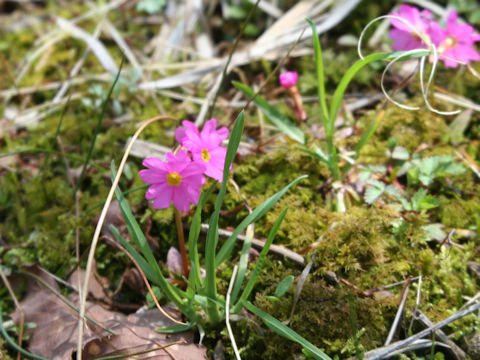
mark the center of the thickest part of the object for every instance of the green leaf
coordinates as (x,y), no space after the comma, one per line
(459,125)
(256,214)
(151,6)
(434,232)
(374,191)
(427,203)
(400,153)
(236,12)
(212,234)
(286,332)
(326,120)
(253,278)
(173,329)
(272,298)
(174,294)
(280,121)
(284,285)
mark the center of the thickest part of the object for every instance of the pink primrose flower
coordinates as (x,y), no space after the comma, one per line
(205,146)
(288,79)
(456,42)
(177,180)
(403,36)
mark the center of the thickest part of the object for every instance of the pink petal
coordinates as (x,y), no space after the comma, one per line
(404,41)
(288,79)
(156,191)
(153,162)
(180,134)
(164,199)
(180,200)
(193,169)
(152,176)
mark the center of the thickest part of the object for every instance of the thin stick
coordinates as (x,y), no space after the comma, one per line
(382,353)
(227,313)
(278,249)
(145,280)
(96,235)
(399,313)
(457,352)
(181,241)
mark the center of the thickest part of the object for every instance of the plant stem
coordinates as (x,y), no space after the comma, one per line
(181,242)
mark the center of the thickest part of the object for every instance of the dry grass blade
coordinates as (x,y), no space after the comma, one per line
(457,352)
(399,313)
(94,44)
(385,351)
(301,282)
(227,313)
(98,229)
(272,46)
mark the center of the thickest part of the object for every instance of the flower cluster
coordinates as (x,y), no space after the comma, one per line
(180,177)
(455,43)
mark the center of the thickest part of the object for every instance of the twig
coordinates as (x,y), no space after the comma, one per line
(301,282)
(98,229)
(145,280)
(399,313)
(382,352)
(227,313)
(457,352)
(278,249)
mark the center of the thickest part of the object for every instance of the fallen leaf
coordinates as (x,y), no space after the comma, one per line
(55,334)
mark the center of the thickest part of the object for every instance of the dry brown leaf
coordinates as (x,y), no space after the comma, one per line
(55,334)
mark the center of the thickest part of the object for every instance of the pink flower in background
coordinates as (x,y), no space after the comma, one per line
(403,36)
(456,42)
(288,79)
(205,146)
(178,180)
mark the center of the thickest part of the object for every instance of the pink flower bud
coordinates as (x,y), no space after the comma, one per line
(288,79)
(174,261)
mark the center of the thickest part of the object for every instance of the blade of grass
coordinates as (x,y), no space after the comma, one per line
(242,264)
(253,278)
(281,121)
(256,214)
(286,332)
(97,129)
(212,235)
(360,64)
(137,235)
(320,79)
(193,235)
(131,250)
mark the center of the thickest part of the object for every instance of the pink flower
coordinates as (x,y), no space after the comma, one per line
(288,79)
(403,36)
(178,180)
(205,146)
(457,42)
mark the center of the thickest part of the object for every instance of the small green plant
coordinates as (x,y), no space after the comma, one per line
(330,109)
(200,302)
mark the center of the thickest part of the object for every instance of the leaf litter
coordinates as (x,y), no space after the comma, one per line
(54,335)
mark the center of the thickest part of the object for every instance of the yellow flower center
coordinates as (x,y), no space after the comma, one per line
(174,179)
(206,155)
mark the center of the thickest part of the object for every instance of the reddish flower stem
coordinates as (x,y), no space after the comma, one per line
(181,242)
